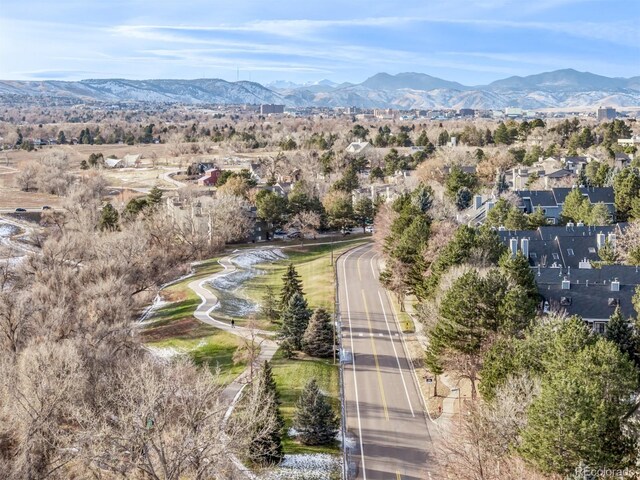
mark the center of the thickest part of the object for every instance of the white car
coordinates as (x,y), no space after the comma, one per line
(369,228)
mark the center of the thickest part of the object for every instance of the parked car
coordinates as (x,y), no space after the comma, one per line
(369,228)
(46,207)
(20,209)
(294,234)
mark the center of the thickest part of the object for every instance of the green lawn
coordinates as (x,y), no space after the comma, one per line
(291,376)
(173,326)
(313,263)
(205,344)
(181,290)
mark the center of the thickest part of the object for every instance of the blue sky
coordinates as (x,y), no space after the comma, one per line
(470,41)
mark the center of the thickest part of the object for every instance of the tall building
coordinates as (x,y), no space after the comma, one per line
(606,113)
(269,109)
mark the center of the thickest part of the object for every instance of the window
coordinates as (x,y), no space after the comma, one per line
(570,252)
(613,302)
(555,256)
(565,301)
(533,255)
(592,250)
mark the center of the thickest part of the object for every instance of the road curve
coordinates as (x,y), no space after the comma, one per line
(384,409)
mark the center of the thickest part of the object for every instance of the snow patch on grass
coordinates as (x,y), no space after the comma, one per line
(317,466)
(226,287)
(167,352)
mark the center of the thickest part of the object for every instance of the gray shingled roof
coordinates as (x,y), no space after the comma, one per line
(590,294)
(595,194)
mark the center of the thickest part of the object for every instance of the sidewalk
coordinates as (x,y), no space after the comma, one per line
(209,301)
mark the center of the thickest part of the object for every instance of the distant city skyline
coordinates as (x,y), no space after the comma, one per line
(471,42)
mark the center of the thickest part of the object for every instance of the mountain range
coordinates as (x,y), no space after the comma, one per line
(560,88)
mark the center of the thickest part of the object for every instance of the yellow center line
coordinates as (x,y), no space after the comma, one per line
(375,357)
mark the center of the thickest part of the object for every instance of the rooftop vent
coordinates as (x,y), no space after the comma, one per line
(615,285)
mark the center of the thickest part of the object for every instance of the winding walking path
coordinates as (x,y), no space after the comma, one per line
(209,301)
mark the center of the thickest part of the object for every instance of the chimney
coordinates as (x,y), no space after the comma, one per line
(513,246)
(600,240)
(615,285)
(490,205)
(612,239)
(566,284)
(477,201)
(524,246)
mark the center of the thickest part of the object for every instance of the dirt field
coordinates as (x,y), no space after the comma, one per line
(155,162)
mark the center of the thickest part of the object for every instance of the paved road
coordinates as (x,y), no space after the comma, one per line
(384,411)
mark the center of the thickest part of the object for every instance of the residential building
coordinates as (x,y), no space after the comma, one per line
(591,294)
(210,177)
(606,113)
(271,109)
(562,259)
(357,148)
(622,160)
(574,246)
(630,142)
(551,201)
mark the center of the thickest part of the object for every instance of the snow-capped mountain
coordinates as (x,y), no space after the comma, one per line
(561,88)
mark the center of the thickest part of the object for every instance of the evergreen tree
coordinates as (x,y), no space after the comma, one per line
(517,309)
(363,212)
(155,196)
(626,187)
(516,219)
(607,253)
(516,268)
(578,415)
(463,198)
(621,332)
(266,440)
(314,419)
(536,219)
(318,337)
(109,218)
(501,135)
(291,284)
(576,207)
(598,215)
(269,306)
(422,197)
(133,208)
(62,139)
(295,319)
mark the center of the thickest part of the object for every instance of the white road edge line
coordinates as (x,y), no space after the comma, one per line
(353,360)
(404,347)
(395,352)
